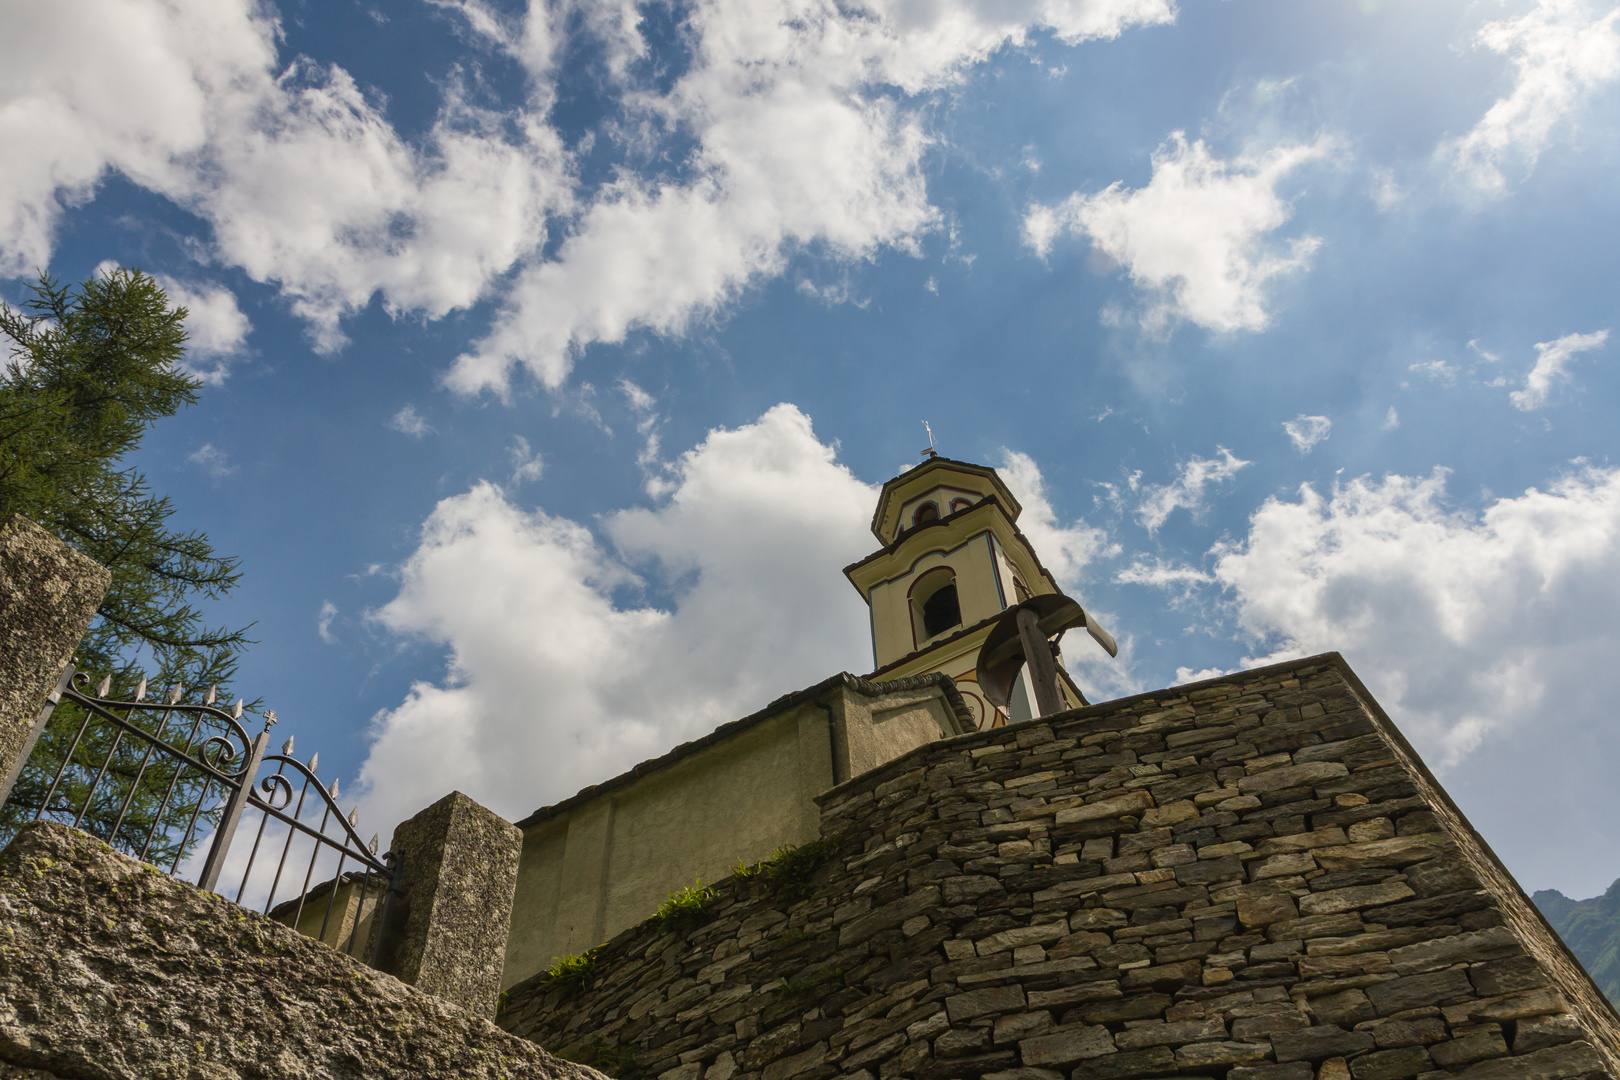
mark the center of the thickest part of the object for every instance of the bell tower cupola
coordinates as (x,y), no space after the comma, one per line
(952,561)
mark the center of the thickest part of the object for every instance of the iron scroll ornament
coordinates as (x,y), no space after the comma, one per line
(278,795)
(215,755)
(1002,654)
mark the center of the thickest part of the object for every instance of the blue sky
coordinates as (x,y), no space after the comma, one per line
(554,353)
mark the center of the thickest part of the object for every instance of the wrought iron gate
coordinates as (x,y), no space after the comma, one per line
(155,779)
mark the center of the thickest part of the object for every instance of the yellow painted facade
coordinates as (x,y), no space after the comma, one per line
(606,859)
(948,524)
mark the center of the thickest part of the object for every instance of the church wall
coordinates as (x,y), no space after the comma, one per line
(1249,878)
(595,868)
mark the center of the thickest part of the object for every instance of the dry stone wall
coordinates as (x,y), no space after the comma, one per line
(112,970)
(1252,878)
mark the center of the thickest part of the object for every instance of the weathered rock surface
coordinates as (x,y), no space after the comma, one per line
(111,969)
(48,595)
(1252,878)
(458,870)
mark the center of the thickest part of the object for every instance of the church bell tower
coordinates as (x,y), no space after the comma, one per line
(952,562)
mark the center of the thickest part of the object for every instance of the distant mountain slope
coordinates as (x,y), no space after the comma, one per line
(1591,929)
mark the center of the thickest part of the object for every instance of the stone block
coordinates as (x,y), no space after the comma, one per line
(1507,1007)
(1163,977)
(457,873)
(798,1064)
(1135,1007)
(1293,1070)
(1492,944)
(1065,1046)
(1539,1032)
(48,595)
(1171,814)
(1212,1055)
(1417,1031)
(1010,1029)
(1134,804)
(1413,991)
(1127,1065)
(1290,776)
(888,916)
(1268,909)
(1395,852)
(1470,1048)
(975,1003)
(1508,976)
(1555,1063)
(1334,901)
(962,1042)
(1184,1031)
(1319,1043)
(1400,1064)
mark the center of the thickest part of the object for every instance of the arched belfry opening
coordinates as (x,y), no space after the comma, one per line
(942,611)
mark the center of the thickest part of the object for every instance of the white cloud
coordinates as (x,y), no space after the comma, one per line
(323,622)
(1193,239)
(801,124)
(799,141)
(409,422)
(1307,431)
(1065,550)
(643,405)
(1552,365)
(1489,637)
(216,328)
(302,180)
(1438,370)
(213,461)
(1562,52)
(1392,419)
(526,464)
(1186,492)
(573,655)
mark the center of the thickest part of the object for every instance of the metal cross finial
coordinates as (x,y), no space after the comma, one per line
(270,719)
(930,452)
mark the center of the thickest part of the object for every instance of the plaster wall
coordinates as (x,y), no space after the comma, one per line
(593,869)
(338,916)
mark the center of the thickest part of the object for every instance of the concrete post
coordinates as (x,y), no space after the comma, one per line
(457,876)
(48,595)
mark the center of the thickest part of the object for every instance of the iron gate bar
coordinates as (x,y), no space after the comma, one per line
(26,750)
(286,748)
(268,784)
(168,793)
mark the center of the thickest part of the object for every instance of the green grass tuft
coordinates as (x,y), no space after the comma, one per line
(788,871)
(685,903)
(574,970)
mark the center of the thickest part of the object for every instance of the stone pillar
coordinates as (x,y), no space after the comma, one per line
(48,595)
(457,875)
